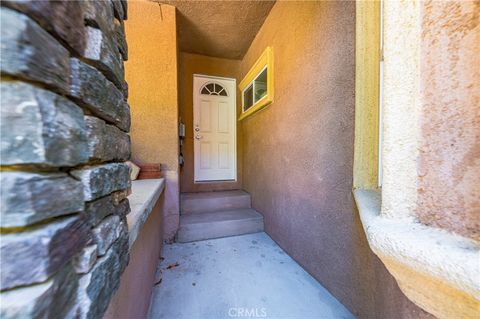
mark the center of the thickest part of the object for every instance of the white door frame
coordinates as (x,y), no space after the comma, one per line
(232,95)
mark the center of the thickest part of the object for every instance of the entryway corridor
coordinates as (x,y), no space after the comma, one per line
(193,159)
(246,276)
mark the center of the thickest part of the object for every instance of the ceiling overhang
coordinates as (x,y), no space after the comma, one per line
(223,29)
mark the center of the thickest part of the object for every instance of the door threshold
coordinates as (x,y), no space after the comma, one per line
(217,181)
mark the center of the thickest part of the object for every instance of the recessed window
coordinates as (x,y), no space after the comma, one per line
(248,98)
(260,86)
(257,86)
(256,91)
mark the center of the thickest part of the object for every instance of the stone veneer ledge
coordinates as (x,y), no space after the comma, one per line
(436,269)
(145,193)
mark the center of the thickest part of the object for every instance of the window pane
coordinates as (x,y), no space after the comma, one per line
(248,98)
(261,85)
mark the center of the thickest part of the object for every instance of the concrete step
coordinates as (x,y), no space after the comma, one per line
(214,201)
(219,224)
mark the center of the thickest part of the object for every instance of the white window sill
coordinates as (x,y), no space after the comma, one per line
(145,194)
(437,270)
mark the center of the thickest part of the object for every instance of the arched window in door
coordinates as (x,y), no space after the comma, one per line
(213,89)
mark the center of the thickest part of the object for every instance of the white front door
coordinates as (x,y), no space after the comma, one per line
(214,125)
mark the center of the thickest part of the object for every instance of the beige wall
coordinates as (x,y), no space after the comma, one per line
(449,161)
(298,156)
(151,73)
(191,64)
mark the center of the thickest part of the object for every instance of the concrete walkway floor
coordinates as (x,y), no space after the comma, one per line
(247,276)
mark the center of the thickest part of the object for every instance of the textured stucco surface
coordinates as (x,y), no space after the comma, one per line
(430,155)
(190,64)
(449,162)
(223,29)
(133,296)
(151,73)
(423,260)
(401,108)
(298,155)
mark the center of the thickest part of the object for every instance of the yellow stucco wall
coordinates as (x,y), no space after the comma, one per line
(151,73)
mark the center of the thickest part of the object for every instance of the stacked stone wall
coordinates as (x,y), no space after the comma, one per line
(64,142)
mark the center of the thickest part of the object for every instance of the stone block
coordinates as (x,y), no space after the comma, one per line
(40,127)
(100,14)
(100,208)
(115,203)
(28,198)
(106,142)
(106,233)
(118,10)
(119,29)
(92,90)
(64,19)
(101,180)
(101,50)
(125,9)
(98,286)
(119,196)
(125,90)
(33,255)
(85,259)
(29,52)
(52,299)
(107,16)
(123,209)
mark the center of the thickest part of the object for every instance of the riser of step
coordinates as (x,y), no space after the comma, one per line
(194,227)
(214,201)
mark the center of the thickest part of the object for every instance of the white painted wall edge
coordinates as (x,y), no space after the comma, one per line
(422,257)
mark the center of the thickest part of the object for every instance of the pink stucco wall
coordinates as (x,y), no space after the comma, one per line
(449,163)
(132,299)
(298,156)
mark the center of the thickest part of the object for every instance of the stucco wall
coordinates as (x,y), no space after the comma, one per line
(449,162)
(151,72)
(298,155)
(190,64)
(400,124)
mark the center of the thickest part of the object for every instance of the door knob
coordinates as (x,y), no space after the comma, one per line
(198,136)
(197,129)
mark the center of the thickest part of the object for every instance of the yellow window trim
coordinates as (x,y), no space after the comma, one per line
(266,59)
(367,68)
